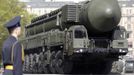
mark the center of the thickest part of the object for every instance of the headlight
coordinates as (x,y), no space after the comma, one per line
(122,51)
(79,51)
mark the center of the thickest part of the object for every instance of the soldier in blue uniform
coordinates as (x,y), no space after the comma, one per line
(12,52)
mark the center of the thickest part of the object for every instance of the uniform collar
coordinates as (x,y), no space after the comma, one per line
(13,37)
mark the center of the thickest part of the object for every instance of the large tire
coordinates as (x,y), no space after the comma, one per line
(107,67)
(31,64)
(62,66)
(27,64)
(103,68)
(44,64)
(40,60)
(59,62)
(52,63)
(117,67)
(34,65)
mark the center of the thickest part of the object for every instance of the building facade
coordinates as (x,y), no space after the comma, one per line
(127,20)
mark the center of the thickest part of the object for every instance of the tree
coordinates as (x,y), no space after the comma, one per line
(9,9)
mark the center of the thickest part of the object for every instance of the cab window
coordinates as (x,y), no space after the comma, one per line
(80,33)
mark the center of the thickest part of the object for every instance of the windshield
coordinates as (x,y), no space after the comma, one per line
(80,33)
(130,64)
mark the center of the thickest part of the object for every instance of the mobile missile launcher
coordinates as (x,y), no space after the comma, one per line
(76,38)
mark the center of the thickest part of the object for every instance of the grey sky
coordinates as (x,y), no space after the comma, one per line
(70,0)
(60,0)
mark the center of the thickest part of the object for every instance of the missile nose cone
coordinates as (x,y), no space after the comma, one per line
(109,13)
(104,15)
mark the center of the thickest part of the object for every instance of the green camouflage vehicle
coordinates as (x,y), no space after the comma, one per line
(76,38)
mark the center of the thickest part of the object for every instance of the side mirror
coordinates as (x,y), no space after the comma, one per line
(128,34)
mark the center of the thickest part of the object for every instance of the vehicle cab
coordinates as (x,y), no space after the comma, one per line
(78,42)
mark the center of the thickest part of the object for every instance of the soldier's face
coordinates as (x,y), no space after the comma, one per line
(18,31)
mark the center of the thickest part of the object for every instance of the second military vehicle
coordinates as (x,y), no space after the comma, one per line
(129,65)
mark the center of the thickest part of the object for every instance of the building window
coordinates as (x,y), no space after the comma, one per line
(133,5)
(39,11)
(123,5)
(45,11)
(132,11)
(129,27)
(130,45)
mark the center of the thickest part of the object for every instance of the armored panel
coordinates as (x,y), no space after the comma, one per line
(70,13)
(99,20)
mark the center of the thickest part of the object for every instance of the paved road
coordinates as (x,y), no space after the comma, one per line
(86,74)
(74,74)
(38,74)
